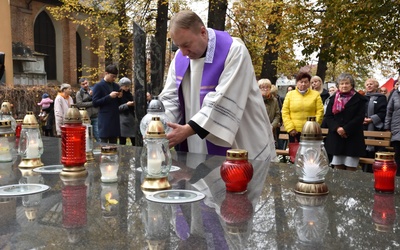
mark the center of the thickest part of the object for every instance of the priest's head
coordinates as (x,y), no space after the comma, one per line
(189,34)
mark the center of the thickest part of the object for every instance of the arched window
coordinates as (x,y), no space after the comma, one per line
(78,56)
(45,42)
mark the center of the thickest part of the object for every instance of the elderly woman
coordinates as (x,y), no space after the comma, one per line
(127,112)
(375,112)
(344,118)
(299,104)
(271,104)
(62,103)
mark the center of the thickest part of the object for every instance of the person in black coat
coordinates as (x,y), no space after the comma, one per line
(106,95)
(344,118)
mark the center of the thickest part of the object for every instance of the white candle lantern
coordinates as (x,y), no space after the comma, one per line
(155,108)
(7,141)
(311,160)
(30,143)
(88,134)
(156,157)
(109,164)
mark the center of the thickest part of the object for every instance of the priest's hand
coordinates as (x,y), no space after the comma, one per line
(179,133)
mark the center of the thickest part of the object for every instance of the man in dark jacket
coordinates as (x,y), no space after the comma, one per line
(106,96)
(84,100)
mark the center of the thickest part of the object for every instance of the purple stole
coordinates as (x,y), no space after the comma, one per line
(209,81)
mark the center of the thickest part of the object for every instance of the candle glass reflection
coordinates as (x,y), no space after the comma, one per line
(32,202)
(109,164)
(384,212)
(311,220)
(74,205)
(109,199)
(156,219)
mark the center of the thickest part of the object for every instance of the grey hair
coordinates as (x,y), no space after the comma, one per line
(345,76)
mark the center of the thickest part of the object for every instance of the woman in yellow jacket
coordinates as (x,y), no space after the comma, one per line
(299,104)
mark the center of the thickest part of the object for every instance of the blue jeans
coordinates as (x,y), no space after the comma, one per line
(95,126)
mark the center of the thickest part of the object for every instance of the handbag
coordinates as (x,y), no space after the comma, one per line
(293,147)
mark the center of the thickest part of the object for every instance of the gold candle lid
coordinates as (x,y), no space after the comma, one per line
(155,128)
(236,154)
(84,115)
(73,115)
(30,120)
(109,150)
(311,130)
(384,156)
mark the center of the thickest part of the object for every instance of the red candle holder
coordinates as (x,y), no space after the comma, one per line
(384,169)
(384,212)
(73,140)
(236,171)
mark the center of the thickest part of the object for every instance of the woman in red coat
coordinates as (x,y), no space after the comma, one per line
(344,117)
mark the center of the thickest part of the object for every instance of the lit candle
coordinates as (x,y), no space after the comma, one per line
(154,166)
(310,171)
(154,160)
(32,150)
(109,172)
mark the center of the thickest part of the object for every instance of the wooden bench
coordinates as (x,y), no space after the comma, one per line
(372,138)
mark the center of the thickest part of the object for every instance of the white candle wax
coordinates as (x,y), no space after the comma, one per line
(154,166)
(310,171)
(109,172)
(32,151)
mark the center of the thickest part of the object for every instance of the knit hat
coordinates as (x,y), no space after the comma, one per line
(64,86)
(45,95)
(124,81)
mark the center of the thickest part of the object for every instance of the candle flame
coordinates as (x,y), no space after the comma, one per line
(384,168)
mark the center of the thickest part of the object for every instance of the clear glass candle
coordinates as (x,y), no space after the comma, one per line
(109,164)
(7,141)
(30,142)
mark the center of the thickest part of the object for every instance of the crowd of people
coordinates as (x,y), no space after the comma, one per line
(212,98)
(345,111)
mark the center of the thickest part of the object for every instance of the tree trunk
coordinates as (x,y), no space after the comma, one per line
(323,61)
(216,14)
(269,69)
(125,64)
(158,48)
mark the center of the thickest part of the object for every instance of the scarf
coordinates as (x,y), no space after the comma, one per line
(66,97)
(340,101)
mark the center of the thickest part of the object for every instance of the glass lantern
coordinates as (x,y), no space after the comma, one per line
(88,134)
(311,161)
(109,164)
(73,140)
(155,108)
(7,142)
(156,157)
(30,143)
(385,169)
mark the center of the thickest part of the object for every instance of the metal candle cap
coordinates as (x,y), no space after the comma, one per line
(30,120)
(155,128)
(384,156)
(236,154)
(73,115)
(84,115)
(311,130)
